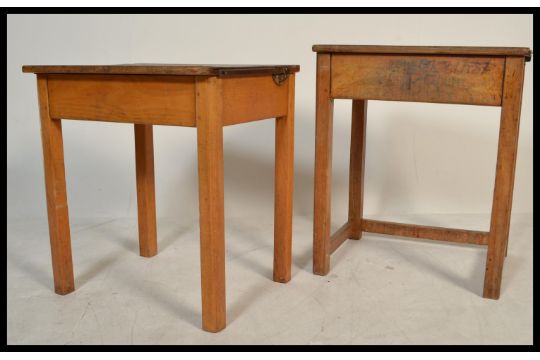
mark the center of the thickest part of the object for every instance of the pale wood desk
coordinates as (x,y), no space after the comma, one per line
(207,97)
(458,75)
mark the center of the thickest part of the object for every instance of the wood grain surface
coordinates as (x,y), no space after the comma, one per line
(161,69)
(55,186)
(442,79)
(157,100)
(426,50)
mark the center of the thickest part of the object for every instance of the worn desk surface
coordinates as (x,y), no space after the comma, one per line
(162,69)
(425,50)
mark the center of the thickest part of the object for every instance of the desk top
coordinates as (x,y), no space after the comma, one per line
(162,69)
(425,50)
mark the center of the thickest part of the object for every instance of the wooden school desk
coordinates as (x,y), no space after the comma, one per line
(490,76)
(207,97)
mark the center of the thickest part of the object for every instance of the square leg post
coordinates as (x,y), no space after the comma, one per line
(211,207)
(284,183)
(55,185)
(323,168)
(356,170)
(504,178)
(146,199)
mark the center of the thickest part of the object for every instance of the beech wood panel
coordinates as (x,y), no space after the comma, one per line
(250,98)
(426,50)
(438,79)
(425,232)
(158,100)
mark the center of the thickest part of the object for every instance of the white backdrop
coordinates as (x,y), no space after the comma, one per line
(421,158)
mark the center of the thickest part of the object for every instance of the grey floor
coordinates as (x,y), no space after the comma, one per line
(381,290)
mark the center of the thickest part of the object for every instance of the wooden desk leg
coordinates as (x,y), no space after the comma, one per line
(323,168)
(55,185)
(146,201)
(284,184)
(356,171)
(212,238)
(504,178)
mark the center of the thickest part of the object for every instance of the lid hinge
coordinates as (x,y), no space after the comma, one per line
(280,76)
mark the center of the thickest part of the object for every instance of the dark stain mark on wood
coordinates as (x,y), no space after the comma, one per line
(423,74)
(419,78)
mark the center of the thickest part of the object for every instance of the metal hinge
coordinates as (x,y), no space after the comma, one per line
(280,76)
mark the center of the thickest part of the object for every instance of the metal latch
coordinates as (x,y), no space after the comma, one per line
(280,76)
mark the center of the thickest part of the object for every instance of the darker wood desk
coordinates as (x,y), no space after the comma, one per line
(207,97)
(455,75)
